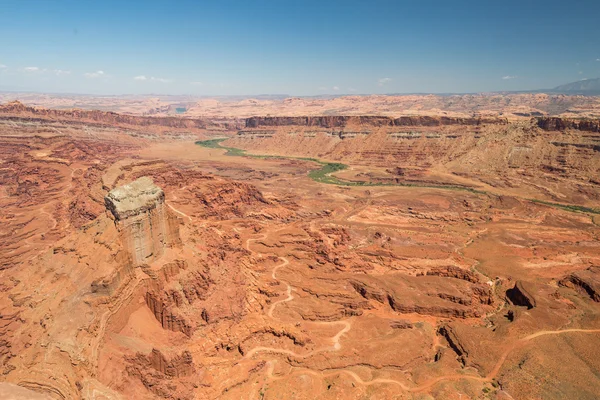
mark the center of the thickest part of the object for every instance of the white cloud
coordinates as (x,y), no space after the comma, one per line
(152,78)
(336,88)
(31,69)
(597,59)
(196,83)
(383,81)
(161,80)
(60,72)
(580,72)
(509,77)
(96,74)
(351,89)
(2,66)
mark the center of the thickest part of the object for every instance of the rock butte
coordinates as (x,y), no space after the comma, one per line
(459,259)
(137,197)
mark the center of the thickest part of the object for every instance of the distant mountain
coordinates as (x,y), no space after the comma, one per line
(586,86)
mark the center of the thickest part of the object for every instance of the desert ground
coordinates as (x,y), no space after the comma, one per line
(450,254)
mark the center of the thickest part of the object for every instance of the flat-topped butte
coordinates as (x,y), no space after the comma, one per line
(134,198)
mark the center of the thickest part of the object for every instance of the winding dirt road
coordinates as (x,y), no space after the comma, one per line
(260,349)
(347,326)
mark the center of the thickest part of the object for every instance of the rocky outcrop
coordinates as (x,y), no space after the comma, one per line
(520,295)
(374,121)
(587,281)
(451,271)
(455,343)
(135,198)
(145,223)
(174,287)
(17,110)
(176,367)
(426,295)
(165,376)
(110,284)
(561,124)
(165,315)
(471,345)
(224,200)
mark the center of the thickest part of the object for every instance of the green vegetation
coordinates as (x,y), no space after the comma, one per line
(215,144)
(568,207)
(324,175)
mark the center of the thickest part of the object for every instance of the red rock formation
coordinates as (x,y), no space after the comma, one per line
(228,199)
(176,367)
(561,124)
(167,318)
(453,271)
(587,281)
(19,111)
(162,375)
(371,121)
(147,226)
(520,295)
(427,295)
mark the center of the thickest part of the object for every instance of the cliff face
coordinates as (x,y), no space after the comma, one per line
(166,316)
(161,373)
(561,124)
(17,110)
(145,224)
(371,121)
(587,281)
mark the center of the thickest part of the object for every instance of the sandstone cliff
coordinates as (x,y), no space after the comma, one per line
(17,110)
(371,121)
(587,281)
(145,223)
(561,124)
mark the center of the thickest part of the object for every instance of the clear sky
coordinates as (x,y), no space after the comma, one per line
(301,47)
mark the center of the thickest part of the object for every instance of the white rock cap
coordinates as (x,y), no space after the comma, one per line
(134,198)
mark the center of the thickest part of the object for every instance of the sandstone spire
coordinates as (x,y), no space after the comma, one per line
(145,223)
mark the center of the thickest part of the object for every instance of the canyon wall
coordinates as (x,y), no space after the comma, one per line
(485,144)
(368,121)
(561,124)
(17,110)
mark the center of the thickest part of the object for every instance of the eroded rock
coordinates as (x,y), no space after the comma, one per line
(145,223)
(520,295)
(587,281)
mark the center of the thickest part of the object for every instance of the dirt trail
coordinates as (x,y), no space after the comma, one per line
(336,339)
(179,212)
(174,197)
(522,341)
(430,383)
(288,290)
(347,326)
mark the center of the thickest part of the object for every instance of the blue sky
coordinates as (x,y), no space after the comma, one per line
(302,47)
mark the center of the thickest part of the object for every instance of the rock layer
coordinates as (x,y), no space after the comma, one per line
(146,225)
(561,124)
(371,121)
(587,281)
(18,110)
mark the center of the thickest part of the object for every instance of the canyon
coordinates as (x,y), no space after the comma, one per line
(507,105)
(448,253)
